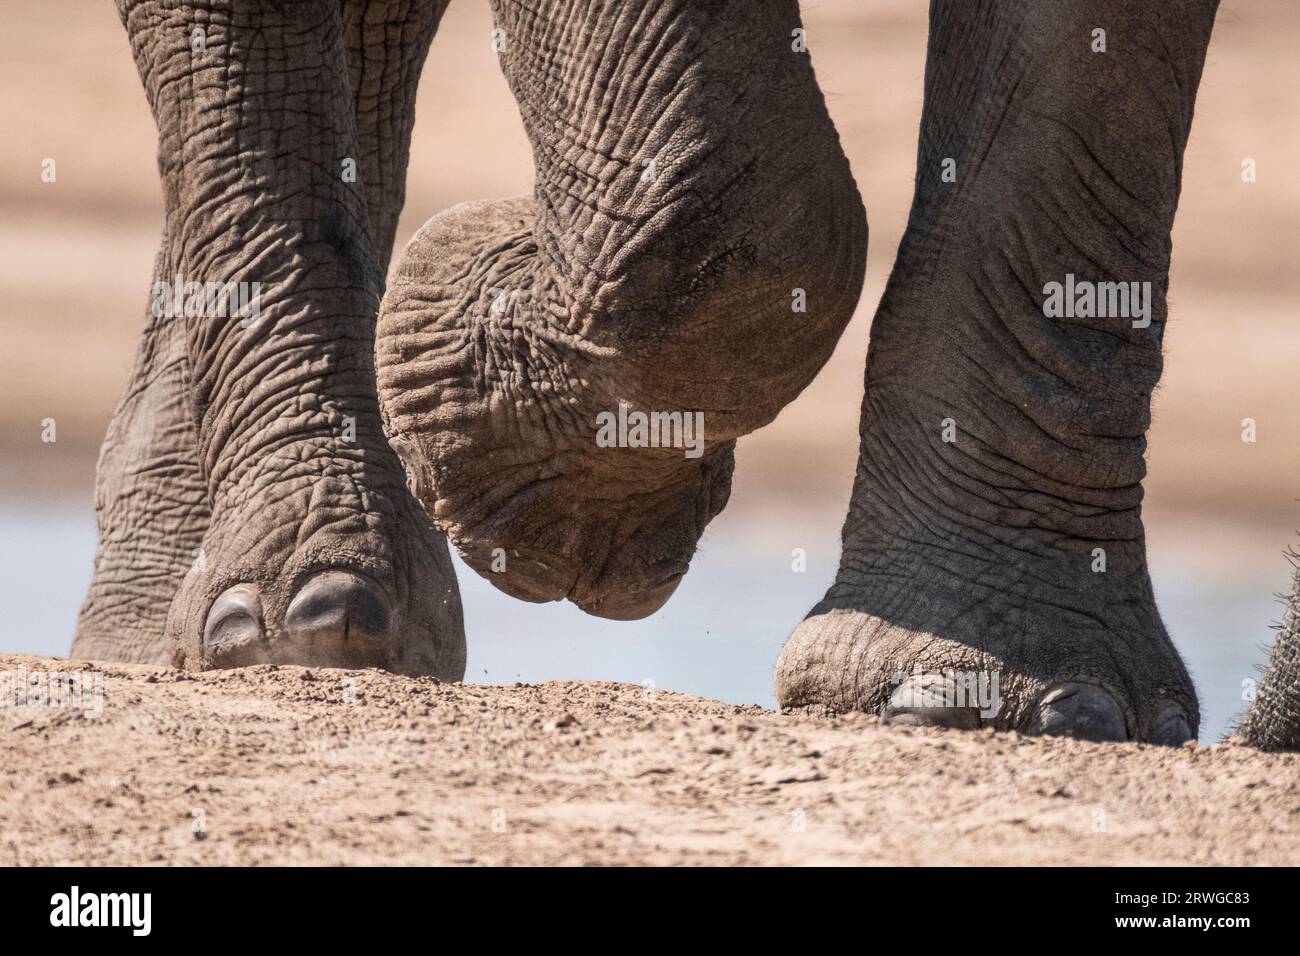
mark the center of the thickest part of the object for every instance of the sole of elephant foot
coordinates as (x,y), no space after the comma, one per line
(539,497)
(368,599)
(841,659)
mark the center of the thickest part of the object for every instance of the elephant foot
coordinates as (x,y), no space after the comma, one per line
(1273,720)
(326,576)
(250,507)
(994,569)
(565,375)
(968,660)
(507,461)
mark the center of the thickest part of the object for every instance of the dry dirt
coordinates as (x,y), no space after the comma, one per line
(291,766)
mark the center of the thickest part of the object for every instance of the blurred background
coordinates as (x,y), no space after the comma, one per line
(76,258)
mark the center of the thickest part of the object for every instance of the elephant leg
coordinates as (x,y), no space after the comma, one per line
(151,494)
(313,551)
(151,502)
(1273,720)
(566,375)
(386,43)
(994,563)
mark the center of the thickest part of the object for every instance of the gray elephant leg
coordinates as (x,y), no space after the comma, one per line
(314,551)
(994,564)
(151,502)
(386,43)
(692,250)
(1273,720)
(151,496)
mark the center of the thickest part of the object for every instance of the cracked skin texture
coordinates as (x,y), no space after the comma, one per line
(238,526)
(979,554)
(688,182)
(215,427)
(250,507)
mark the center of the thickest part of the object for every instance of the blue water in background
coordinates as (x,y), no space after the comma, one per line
(718,637)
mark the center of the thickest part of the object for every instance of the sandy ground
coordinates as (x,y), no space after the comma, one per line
(291,766)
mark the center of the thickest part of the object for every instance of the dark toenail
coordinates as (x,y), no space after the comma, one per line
(233,635)
(929,700)
(634,605)
(1083,711)
(1171,728)
(338,606)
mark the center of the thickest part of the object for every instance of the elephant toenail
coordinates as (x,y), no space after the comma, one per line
(931,700)
(1171,728)
(233,635)
(337,618)
(1083,711)
(633,605)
